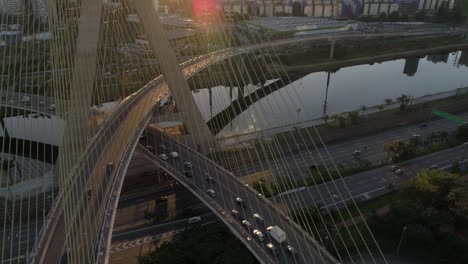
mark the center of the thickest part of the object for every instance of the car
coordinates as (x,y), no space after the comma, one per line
(258,218)
(163,199)
(356,153)
(423,125)
(163,147)
(259,234)
(162,156)
(51,107)
(211,192)
(149,147)
(236,214)
(272,248)
(398,171)
(193,220)
(12,101)
(434,167)
(174,154)
(416,135)
(291,250)
(241,202)
(210,179)
(247,224)
(188,164)
(188,174)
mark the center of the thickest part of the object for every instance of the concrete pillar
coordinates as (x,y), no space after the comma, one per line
(191,116)
(332,50)
(81,88)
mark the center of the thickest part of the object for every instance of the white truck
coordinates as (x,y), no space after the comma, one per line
(277,234)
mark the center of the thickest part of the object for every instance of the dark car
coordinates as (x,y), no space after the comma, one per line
(291,250)
(236,214)
(210,179)
(241,202)
(272,248)
(188,174)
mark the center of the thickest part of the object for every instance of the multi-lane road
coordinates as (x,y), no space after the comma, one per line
(227,189)
(371,148)
(369,184)
(133,110)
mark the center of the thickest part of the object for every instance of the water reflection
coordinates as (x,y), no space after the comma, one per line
(320,94)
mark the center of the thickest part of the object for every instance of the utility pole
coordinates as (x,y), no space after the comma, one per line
(401,240)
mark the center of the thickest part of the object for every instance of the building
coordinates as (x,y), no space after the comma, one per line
(39,8)
(349,8)
(11,7)
(377,7)
(411,66)
(463,60)
(433,5)
(315,8)
(436,58)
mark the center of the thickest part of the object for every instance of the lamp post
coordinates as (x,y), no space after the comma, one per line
(401,240)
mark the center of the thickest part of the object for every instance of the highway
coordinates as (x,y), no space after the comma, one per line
(126,118)
(369,184)
(227,189)
(371,148)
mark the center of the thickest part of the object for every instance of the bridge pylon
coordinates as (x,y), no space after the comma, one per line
(191,116)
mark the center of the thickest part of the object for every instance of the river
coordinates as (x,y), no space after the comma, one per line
(348,89)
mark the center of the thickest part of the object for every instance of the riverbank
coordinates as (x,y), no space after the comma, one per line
(335,65)
(341,129)
(365,54)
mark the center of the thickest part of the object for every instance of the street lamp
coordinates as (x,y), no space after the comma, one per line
(401,240)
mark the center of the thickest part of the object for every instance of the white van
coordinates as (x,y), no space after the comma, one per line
(194,220)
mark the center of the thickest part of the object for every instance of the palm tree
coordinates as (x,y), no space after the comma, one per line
(380,107)
(388,101)
(363,109)
(403,100)
(354,116)
(325,118)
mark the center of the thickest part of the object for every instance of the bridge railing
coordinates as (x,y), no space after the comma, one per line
(257,250)
(111,206)
(327,256)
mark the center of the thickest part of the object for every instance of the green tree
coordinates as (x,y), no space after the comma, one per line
(389,101)
(363,109)
(421,15)
(442,14)
(381,107)
(394,16)
(462,133)
(403,100)
(399,150)
(354,117)
(201,244)
(383,16)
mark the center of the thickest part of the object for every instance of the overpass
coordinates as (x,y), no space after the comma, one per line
(100,169)
(126,115)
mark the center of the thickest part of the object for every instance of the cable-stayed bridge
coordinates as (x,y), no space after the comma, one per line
(71,216)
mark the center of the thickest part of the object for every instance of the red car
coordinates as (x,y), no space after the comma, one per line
(210,179)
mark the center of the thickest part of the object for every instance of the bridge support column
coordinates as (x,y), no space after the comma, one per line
(191,116)
(332,50)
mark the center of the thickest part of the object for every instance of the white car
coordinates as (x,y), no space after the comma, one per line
(174,154)
(211,192)
(194,220)
(259,234)
(163,156)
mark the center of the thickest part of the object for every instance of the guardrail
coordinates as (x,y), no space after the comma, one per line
(296,226)
(106,230)
(232,224)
